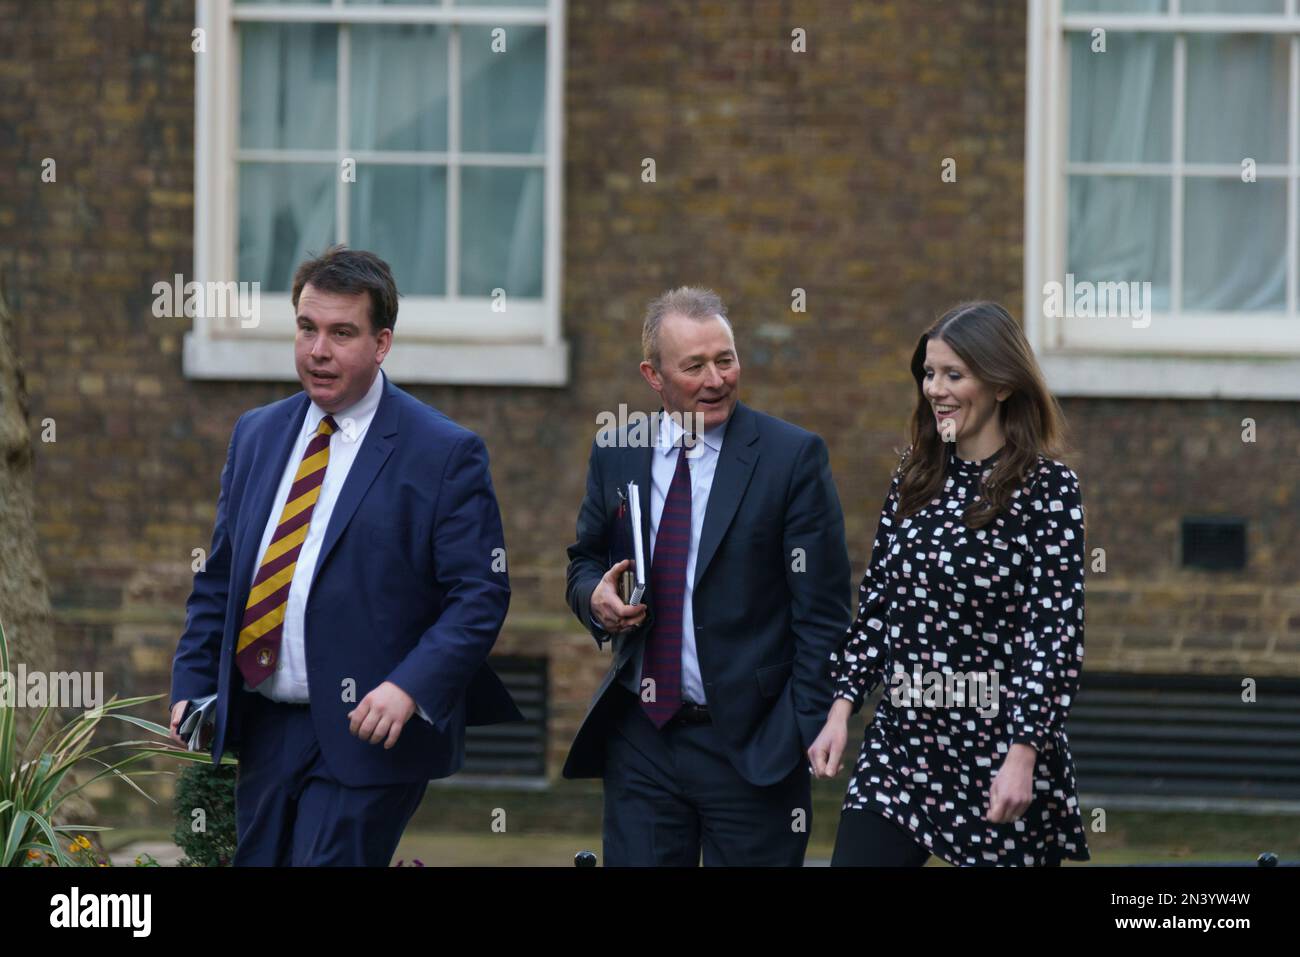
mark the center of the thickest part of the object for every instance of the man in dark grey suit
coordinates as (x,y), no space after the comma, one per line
(719,682)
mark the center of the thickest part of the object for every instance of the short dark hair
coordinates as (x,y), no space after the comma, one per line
(351,271)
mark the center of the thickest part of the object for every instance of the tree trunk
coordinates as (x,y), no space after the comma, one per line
(24,596)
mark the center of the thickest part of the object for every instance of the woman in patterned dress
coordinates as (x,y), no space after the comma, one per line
(972,608)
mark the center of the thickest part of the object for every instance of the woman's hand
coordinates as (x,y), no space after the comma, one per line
(826,752)
(1012,790)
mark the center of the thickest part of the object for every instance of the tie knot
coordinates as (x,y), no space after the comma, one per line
(327,426)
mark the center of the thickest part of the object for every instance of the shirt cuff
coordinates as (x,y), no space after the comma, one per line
(420,711)
(849,695)
(1022,732)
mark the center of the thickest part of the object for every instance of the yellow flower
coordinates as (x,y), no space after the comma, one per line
(82,841)
(33,855)
(72,848)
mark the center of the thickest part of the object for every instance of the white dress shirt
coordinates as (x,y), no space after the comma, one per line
(703,463)
(289,681)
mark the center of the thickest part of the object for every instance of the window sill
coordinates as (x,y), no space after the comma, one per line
(452,363)
(1172,377)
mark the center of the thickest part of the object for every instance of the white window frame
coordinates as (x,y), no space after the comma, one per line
(1192,355)
(457,340)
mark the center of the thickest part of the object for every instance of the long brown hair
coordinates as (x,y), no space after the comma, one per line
(994,348)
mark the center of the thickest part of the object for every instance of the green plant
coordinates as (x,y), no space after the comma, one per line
(30,787)
(211,790)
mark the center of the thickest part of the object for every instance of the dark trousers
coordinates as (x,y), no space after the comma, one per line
(289,810)
(672,793)
(865,839)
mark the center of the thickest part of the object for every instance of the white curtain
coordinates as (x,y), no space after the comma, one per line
(287,100)
(1120,111)
(1233,6)
(1116,6)
(1121,102)
(503,110)
(398,93)
(1235,232)
(399,102)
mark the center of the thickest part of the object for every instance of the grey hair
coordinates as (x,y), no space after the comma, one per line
(693,302)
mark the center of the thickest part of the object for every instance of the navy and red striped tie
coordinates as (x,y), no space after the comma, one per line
(663,648)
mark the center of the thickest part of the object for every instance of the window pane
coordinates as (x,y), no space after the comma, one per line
(1117,6)
(285,211)
(503,103)
(288,86)
(439,3)
(1236,98)
(1233,6)
(501,232)
(400,214)
(399,88)
(1234,245)
(1119,232)
(1121,101)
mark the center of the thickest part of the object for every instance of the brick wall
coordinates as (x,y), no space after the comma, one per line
(775,170)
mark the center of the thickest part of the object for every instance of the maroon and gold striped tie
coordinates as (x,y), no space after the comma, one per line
(259,635)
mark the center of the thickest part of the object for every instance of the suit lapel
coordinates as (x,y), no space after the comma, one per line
(736,464)
(258,511)
(374,452)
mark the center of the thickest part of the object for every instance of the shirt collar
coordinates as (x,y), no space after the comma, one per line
(670,432)
(360,412)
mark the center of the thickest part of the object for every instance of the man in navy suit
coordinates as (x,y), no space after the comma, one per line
(355,586)
(719,681)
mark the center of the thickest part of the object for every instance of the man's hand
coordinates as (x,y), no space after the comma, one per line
(608,608)
(1012,790)
(178,712)
(381,715)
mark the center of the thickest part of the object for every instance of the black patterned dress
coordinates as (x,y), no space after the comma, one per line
(1005,600)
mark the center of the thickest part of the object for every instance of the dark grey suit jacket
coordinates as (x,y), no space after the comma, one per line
(771,600)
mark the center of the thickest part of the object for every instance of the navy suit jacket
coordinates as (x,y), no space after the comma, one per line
(771,599)
(410,587)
